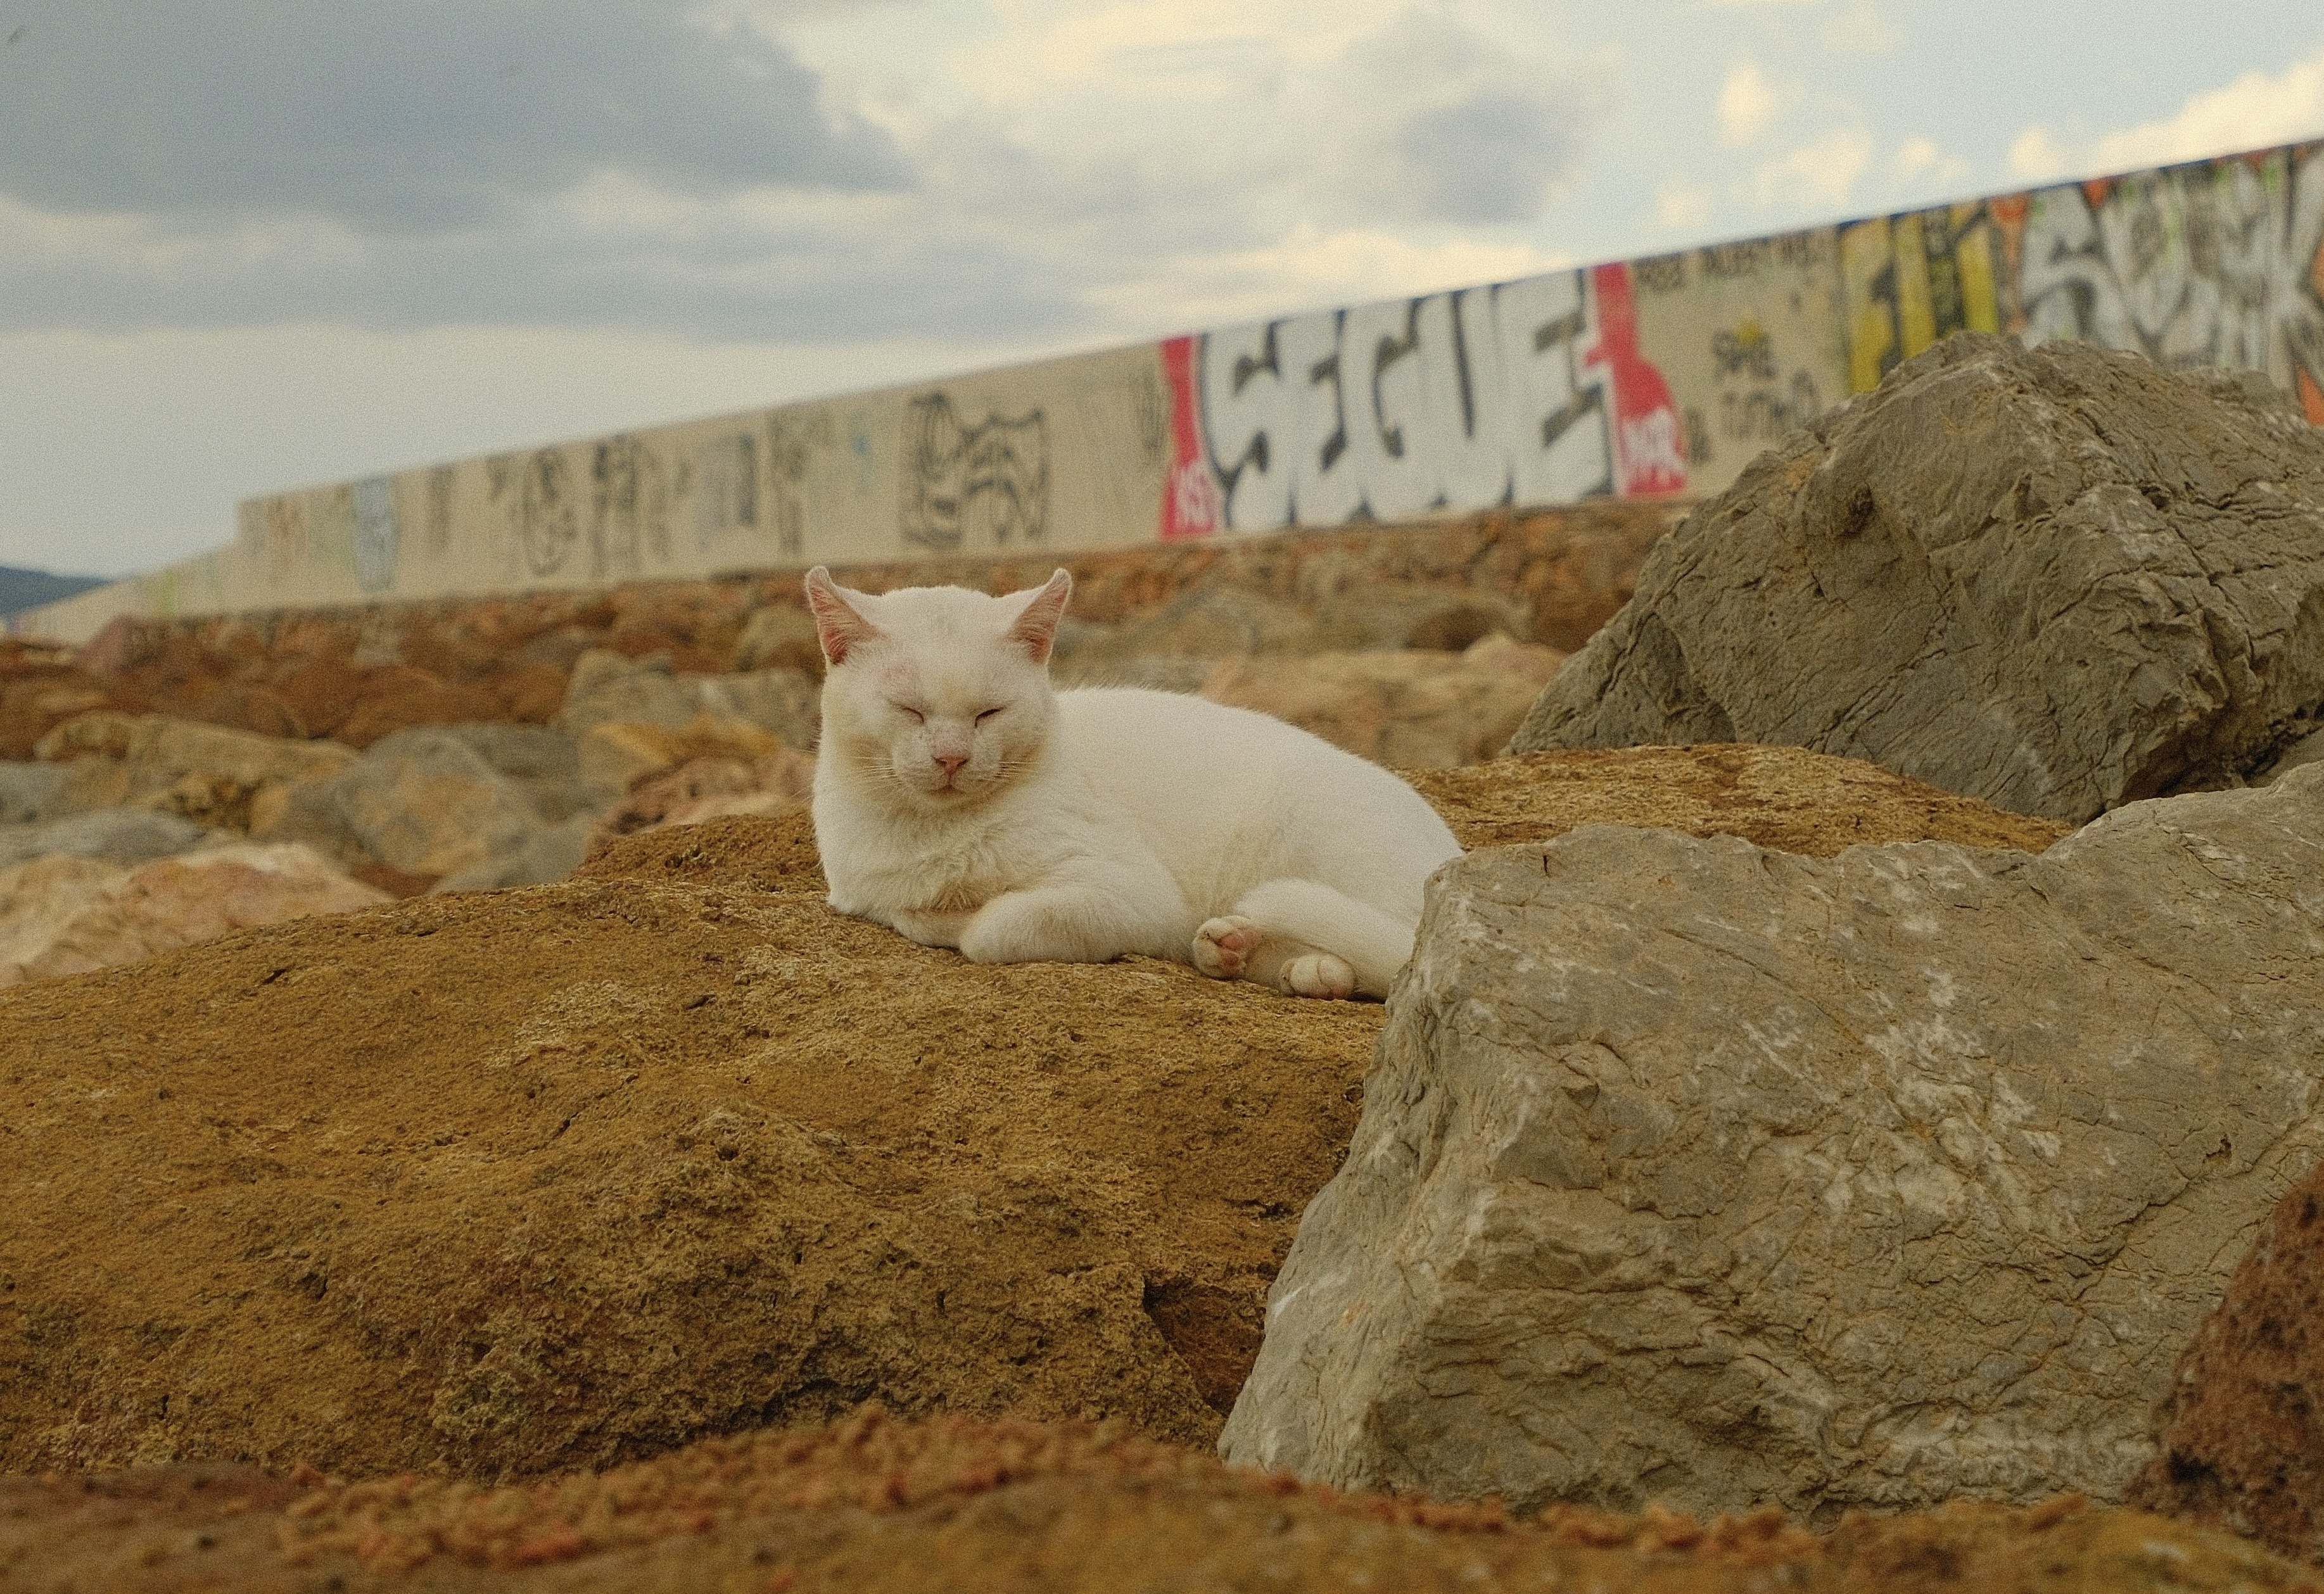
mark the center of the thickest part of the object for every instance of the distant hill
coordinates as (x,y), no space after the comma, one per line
(28,589)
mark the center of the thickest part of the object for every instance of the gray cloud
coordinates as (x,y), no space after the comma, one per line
(1491,157)
(402,115)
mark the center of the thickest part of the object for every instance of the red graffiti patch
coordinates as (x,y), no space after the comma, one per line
(1190,493)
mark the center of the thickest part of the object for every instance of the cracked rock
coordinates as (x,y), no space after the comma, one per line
(1698,1171)
(2059,579)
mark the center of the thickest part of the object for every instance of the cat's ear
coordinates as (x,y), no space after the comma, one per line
(1035,624)
(839,625)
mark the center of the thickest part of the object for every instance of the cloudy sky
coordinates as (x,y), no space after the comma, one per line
(248,244)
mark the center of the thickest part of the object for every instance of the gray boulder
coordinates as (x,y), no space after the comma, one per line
(607,688)
(2057,579)
(117,835)
(30,791)
(1697,1171)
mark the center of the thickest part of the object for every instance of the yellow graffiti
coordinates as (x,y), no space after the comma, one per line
(1908,280)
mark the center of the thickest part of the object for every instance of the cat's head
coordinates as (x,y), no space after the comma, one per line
(936,696)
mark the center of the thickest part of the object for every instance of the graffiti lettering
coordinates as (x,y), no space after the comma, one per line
(1386,411)
(538,506)
(1908,280)
(2198,265)
(374,539)
(973,486)
(790,440)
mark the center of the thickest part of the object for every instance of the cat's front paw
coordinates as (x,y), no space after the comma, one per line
(1223,947)
(1317,973)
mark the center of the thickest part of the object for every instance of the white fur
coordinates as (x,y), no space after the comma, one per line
(1079,825)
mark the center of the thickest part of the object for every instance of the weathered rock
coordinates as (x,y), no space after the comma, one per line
(2057,579)
(1784,798)
(1697,1171)
(2243,1442)
(543,763)
(423,802)
(214,774)
(30,790)
(116,835)
(714,787)
(781,636)
(877,1505)
(1415,709)
(69,914)
(500,1185)
(607,688)
(548,854)
(617,754)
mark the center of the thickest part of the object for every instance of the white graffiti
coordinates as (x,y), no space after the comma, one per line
(1388,410)
(2194,266)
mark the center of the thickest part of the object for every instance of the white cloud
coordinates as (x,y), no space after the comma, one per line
(1920,165)
(1748,105)
(1822,172)
(2257,110)
(1682,207)
(2254,111)
(2036,156)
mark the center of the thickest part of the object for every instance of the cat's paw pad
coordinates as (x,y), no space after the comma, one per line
(1317,973)
(1223,947)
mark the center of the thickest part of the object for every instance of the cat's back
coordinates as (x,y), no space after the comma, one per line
(1170,756)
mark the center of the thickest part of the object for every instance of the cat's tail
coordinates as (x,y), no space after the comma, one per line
(1374,944)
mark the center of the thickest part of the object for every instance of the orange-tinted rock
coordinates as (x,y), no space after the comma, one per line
(245,706)
(2243,1443)
(398,698)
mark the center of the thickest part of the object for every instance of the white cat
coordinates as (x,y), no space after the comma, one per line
(961,800)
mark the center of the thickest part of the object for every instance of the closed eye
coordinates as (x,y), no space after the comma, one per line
(917,717)
(988,713)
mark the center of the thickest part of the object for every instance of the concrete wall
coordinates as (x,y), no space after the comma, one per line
(1647,378)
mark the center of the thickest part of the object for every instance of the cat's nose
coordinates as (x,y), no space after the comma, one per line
(952,763)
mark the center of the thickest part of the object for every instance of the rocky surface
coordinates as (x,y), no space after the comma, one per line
(440,1185)
(2059,580)
(65,915)
(1410,709)
(874,1505)
(1694,1171)
(2243,1440)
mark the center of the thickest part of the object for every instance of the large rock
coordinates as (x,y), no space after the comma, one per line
(505,1184)
(2058,580)
(607,688)
(2243,1444)
(424,802)
(65,914)
(1699,1170)
(212,773)
(1411,708)
(117,835)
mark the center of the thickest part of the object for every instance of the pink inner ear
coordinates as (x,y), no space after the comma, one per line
(837,625)
(1036,624)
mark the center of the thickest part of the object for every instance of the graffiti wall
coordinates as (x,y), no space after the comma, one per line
(1660,377)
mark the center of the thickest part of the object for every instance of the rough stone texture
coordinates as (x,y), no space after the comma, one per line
(711,787)
(2243,1441)
(1784,798)
(30,791)
(1413,708)
(507,1183)
(2058,580)
(1697,1171)
(211,773)
(67,916)
(607,688)
(116,835)
(617,754)
(422,801)
(873,1505)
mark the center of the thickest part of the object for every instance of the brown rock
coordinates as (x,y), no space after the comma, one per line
(2243,1439)
(716,787)
(1784,798)
(875,1505)
(499,1185)
(399,697)
(64,915)
(1413,709)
